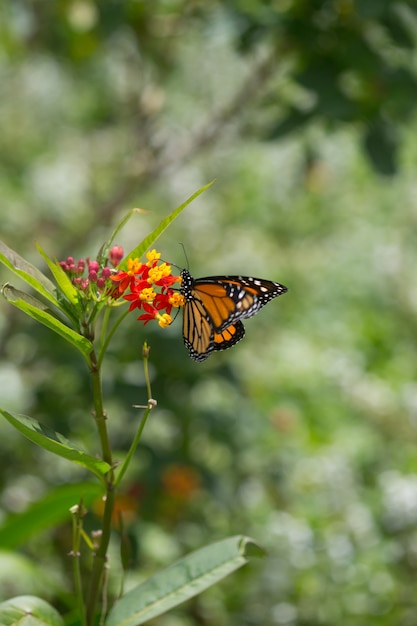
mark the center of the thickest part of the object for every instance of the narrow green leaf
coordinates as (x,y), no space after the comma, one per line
(140,250)
(28,272)
(55,442)
(12,294)
(51,510)
(61,278)
(181,581)
(39,311)
(104,250)
(29,611)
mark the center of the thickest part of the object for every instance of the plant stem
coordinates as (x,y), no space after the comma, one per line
(99,413)
(145,354)
(109,336)
(101,553)
(77,513)
(133,447)
(100,556)
(151,404)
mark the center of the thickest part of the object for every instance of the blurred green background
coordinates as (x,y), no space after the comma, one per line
(304,435)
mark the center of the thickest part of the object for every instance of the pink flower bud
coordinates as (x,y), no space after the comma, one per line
(116,255)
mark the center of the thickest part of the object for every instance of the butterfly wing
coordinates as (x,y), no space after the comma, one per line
(228,337)
(214,307)
(197,329)
(230,298)
(203,345)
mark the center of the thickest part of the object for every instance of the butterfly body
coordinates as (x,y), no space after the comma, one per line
(214,307)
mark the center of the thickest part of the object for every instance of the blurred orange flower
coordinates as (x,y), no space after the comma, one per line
(180,481)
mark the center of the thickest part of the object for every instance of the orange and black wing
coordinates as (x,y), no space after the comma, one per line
(230,298)
(201,340)
(227,337)
(214,307)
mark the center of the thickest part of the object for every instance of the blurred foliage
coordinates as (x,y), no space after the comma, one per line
(304,435)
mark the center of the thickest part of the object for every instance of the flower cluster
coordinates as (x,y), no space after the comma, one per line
(142,280)
(86,274)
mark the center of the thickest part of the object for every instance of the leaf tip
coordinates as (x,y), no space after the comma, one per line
(249,548)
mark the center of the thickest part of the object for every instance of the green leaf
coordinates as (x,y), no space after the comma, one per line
(29,611)
(51,510)
(36,309)
(140,250)
(28,272)
(62,279)
(55,442)
(104,250)
(182,580)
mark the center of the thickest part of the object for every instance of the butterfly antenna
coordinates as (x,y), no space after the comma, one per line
(170,263)
(185,254)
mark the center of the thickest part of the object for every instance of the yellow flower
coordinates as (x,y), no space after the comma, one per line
(157,273)
(177,299)
(152,256)
(147,294)
(164,320)
(133,266)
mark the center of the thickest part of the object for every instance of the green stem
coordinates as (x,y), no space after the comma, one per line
(103,348)
(100,556)
(77,514)
(151,404)
(99,413)
(133,447)
(103,343)
(145,354)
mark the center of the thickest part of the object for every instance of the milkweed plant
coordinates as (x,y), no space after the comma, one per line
(77,304)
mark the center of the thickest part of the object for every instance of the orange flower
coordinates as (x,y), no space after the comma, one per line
(180,481)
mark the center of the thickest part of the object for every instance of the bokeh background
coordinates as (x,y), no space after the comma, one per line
(304,435)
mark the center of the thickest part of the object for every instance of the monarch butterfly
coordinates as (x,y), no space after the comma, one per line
(215,306)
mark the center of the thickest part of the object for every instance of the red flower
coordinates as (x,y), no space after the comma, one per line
(149,286)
